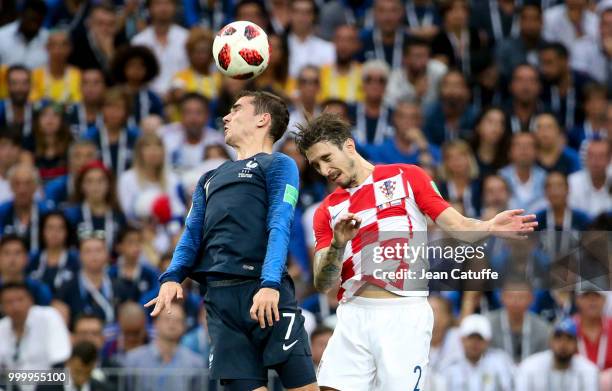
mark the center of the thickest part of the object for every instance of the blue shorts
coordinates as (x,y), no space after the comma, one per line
(242,350)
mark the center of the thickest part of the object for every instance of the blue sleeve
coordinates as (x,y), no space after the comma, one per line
(282,181)
(186,252)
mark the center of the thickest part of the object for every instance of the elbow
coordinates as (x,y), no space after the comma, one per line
(322,286)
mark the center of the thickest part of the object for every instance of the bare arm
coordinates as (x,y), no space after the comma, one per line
(328,261)
(509,223)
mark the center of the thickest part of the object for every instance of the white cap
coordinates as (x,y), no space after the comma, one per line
(475,324)
(603,6)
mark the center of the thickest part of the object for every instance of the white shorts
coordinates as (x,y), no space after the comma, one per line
(378,344)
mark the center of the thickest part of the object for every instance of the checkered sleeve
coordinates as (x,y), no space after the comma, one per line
(322,227)
(426,192)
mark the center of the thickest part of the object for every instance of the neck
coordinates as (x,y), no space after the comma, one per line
(166,348)
(460,179)
(596,121)
(364,169)
(486,152)
(193,137)
(388,36)
(343,66)
(57,69)
(309,106)
(54,252)
(302,35)
(402,144)
(598,180)
(23,209)
(7,276)
(253,147)
(562,365)
(372,105)
(522,108)
(94,277)
(149,173)
(97,207)
(565,82)
(523,172)
(516,321)
(201,69)
(591,323)
(559,212)
(161,28)
(18,327)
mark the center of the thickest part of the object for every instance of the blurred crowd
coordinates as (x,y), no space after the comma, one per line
(111,111)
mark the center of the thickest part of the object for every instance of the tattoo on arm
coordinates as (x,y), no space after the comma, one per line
(327,267)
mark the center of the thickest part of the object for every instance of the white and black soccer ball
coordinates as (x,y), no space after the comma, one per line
(241,50)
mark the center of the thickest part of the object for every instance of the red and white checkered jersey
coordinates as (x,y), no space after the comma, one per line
(394,198)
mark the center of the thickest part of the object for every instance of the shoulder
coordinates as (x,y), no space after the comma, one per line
(584,364)
(178,32)
(277,161)
(135,357)
(577,178)
(534,362)
(6,207)
(188,355)
(143,37)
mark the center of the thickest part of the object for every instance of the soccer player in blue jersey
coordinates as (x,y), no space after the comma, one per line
(235,243)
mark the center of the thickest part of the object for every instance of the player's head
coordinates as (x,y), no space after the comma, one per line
(327,144)
(255,115)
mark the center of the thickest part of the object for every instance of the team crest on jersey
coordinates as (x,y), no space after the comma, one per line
(387,188)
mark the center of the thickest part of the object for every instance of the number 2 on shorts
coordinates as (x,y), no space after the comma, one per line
(416,386)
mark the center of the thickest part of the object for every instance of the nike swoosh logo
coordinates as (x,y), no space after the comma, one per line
(290,346)
(337,214)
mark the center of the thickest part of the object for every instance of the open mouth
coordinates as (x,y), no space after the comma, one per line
(334,176)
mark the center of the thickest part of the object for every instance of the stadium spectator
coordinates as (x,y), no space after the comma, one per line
(445,341)
(490,141)
(23,41)
(166,40)
(594,124)
(185,141)
(552,153)
(495,196)
(459,178)
(56,261)
(371,117)
(558,368)
(519,332)
(95,205)
(276,76)
(408,145)
(255,11)
(589,188)
(342,79)
(418,78)
(198,77)
(114,136)
(140,188)
(10,149)
(33,337)
(304,47)
(480,364)
(22,215)
(52,139)
(88,113)
(385,40)
(61,189)
(338,107)
(95,47)
(451,116)
(318,342)
(525,178)
(197,340)
(558,216)
(563,89)
(498,20)
(13,263)
(523,49)
(135,67)
(17,110)
(57,81)
(164,358)
(524,103)
(131,334)
(486,84)
(594,342)
(565,23)
(131,266)
(457,43)
(81,365)
(280,15)
(423,19)
(335,13)
(305,102)
(592,54)
(208,15)
(92,291)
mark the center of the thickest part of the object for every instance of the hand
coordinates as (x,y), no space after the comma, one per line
(346,229)
(513,224)
(167,292)
(265,304)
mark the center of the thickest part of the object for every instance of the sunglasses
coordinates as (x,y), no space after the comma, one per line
(308,81)
(374,79)
(85,234)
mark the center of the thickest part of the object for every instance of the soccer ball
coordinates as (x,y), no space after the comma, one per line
(241,50)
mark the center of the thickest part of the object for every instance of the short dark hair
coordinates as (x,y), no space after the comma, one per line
(127,230)
(530,5)
(17,68)
(320,330)
(591,90)
(265,102)
(16,285)
(197,97)
(559,49)
(103,6)
(414,42)
(127,53)
(9,238)
(37,6)
(70,237)
(337,102)
(326,127)
(85,351)
(86,316)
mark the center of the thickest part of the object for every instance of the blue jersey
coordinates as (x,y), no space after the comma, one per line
(240,221)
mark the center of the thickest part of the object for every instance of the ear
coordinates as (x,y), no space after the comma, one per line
(349,145)
(263,120)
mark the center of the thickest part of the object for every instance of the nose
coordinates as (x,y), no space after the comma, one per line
(226,119)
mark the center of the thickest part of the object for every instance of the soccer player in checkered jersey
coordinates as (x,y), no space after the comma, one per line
(381,340)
